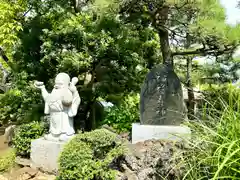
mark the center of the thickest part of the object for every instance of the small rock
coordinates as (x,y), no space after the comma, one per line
(146,174)
(129,173)
(9,133)
(125,135)
(23,161)
(44,177)
(24,176)
(32,172)
(121,176)
(40,178)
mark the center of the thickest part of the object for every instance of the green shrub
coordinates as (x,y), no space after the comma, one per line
(88,156)
(214,151)
(22,103)
(24,134)
(121,117)
(7,160)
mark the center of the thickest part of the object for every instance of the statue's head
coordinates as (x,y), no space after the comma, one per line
(62,80)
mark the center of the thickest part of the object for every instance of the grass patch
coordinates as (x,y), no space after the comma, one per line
(7,160)
(214,150)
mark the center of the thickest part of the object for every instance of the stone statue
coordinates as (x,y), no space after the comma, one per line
(62,105)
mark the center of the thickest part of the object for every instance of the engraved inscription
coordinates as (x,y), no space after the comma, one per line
(161,100)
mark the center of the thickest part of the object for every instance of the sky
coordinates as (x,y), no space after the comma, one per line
(233,13)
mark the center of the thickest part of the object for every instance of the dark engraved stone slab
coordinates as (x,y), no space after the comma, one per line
(161,99)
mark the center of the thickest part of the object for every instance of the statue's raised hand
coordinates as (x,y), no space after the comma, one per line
(72,86)
(39,84)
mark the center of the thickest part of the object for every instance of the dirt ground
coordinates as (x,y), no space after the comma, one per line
(3,146)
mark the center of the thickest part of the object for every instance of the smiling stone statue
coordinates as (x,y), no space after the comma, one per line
(62,105)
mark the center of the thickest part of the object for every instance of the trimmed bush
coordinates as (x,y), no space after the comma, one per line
(88,156)
(7,160)
(24,134)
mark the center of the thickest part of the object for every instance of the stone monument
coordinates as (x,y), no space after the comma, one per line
(162,108)
(62,105)
(161,98)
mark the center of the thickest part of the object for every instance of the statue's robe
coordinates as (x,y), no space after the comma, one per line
(61,116)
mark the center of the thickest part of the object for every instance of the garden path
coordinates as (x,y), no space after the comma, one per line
(3,146)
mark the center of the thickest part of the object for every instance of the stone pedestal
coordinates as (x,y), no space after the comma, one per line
(147,132)
(45,154)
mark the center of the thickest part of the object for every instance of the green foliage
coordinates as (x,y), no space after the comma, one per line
(216,95)
(21,104)
(224,70)
(7,160)
(214,151)
(121,116)
(11,14)
(9,24)
(108,56)
(85,43)
(198,28)
(210,25)
(24,134)
(54,39)
(112,54)
(88,156)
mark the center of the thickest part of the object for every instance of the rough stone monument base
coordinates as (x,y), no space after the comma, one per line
(142,133)
(45,153)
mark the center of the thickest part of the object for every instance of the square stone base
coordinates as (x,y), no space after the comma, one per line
(142,133)
(45,154)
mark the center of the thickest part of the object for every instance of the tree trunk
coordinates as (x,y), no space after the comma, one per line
(165,47)
(191,99)
(160,22)
(3,55)
(4,71)
(93,116)
(88,123)
(3,85)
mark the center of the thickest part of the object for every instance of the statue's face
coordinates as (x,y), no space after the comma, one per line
(60,82)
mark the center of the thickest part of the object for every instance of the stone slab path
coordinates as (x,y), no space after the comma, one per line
(3,146)
(18,173)
(26,173)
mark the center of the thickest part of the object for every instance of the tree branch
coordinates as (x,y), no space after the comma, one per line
(5,72)
(25,13)
(180,7)
(204,52)
(126,5)
(3,55)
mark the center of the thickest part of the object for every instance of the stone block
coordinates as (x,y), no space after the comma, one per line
(45,153)
(142,133)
